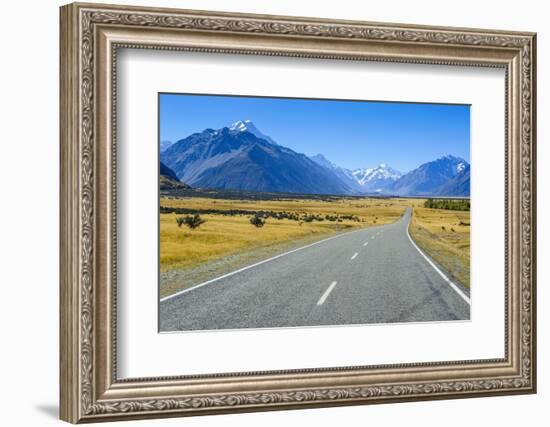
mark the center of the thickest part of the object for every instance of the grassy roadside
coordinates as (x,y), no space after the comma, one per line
(445,236)
(222,236)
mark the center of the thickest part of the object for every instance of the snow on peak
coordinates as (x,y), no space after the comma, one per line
(240,125)
(458,163)
(382,172)
(248,126)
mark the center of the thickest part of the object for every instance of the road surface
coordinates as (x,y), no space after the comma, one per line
(374,275)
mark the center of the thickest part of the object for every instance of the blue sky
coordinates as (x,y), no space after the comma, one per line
(349,133)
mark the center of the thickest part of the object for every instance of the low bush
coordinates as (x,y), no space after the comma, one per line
(192,222)
(257,221)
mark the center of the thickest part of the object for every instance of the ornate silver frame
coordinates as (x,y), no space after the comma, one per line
(90,36)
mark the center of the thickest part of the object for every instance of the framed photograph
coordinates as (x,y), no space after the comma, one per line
(266,212)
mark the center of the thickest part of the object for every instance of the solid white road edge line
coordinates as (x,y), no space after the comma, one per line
(258,263)
(326,294)
(451,284)
(355,255)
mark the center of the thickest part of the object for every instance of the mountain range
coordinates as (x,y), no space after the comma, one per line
(235,158)
(434,178)
(345,175)
(241,157)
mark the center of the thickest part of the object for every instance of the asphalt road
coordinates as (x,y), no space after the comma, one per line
(375,275)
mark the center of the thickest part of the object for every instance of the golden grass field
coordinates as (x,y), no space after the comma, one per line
(221,235)
(445,236)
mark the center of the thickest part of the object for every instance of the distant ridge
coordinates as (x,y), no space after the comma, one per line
(164,145)
(433,178)
(459,186)
(345,175)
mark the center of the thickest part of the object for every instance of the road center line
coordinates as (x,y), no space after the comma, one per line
(326,294)
(355,255)
(365,244)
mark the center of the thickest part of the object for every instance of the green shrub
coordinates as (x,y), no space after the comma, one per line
(448,204)
(257,221)
(192,222)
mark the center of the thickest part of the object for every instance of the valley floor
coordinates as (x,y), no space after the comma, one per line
(228,241)
(369,275)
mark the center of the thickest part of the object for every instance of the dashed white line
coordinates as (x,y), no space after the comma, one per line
(365,244)
(326,294)
(373,237)
(355,255)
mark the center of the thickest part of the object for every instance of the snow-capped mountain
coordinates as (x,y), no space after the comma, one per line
(376,179)
(363,180)
(344,174)
(248,126)
(446,176)
(236,158)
